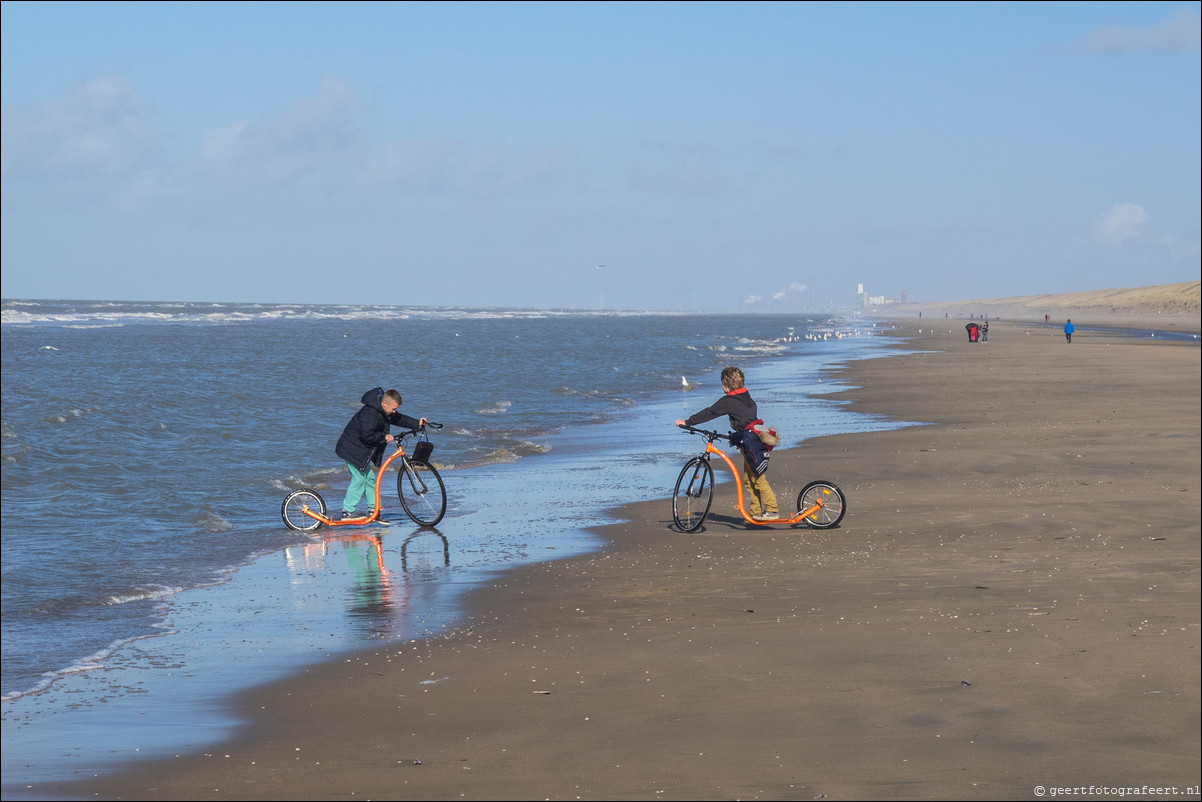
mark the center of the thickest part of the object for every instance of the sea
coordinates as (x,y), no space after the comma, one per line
(147,447)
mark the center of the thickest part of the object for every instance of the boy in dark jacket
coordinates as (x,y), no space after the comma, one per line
(738,406)
(362,442)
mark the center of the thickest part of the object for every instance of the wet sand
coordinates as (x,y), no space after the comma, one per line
(1012,601)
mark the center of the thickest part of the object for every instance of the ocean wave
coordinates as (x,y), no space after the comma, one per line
(496,456)
(214,523)
(149,592)
(111,313)
(759,349)
(317,479)
(91,663)
(495,408)
(64,417)
(601,395)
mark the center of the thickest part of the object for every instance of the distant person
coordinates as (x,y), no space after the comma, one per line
(738,405)
(985,331)
(1068,330)
(362,442)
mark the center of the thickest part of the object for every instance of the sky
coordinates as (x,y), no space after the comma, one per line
(758,157)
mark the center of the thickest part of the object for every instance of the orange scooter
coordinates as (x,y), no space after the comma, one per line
(820,504)
(418,485)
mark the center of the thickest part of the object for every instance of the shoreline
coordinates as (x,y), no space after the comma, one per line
(318,600)
(780,663)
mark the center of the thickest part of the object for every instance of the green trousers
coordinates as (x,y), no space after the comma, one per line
(363,483)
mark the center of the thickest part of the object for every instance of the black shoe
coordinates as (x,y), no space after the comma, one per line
(348,516)
(383,520)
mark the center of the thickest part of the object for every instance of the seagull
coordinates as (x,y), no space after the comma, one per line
(598,267)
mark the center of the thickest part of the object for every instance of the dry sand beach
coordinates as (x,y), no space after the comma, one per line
(1011,603)
(1173,307)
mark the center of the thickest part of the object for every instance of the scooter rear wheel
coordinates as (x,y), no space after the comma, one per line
(293,509)
(834,505)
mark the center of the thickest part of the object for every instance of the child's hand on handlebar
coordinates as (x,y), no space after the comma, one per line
(680,422)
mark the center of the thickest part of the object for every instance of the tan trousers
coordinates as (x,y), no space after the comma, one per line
(760,498)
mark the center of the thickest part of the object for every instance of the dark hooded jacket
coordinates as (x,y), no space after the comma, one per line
(739,407)
(362,441)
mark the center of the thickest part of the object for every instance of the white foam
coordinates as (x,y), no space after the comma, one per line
(496,408)
(150,592)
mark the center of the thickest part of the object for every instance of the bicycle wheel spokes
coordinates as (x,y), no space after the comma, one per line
(693,494)
(834,505)
(421,492)
(293,509)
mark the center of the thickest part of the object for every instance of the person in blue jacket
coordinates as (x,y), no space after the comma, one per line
(362,442)
(1068,331)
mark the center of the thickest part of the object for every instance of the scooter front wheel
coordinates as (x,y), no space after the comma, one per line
(693,495)
(421,492)
(294,506)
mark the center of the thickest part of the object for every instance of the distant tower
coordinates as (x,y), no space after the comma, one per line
(905,296)
(861,298)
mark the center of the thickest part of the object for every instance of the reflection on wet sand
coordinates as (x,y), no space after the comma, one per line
(378,595)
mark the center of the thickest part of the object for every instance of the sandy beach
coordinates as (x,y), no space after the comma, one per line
(1009,609)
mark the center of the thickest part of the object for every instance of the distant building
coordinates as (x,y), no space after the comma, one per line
(866,302)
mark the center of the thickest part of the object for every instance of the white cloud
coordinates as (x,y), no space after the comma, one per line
(97,129)
(1182,31)
(1179,248)
(311,135)
(1121,222)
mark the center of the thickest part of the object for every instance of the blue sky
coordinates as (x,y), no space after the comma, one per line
(724,156)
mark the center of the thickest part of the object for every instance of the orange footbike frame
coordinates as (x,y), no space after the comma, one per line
(375,513)
(802,514)
(319,515)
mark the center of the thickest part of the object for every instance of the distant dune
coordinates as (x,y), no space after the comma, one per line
(1176,305)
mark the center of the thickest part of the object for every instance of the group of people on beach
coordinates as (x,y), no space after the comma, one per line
(977,332)
(365,437)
